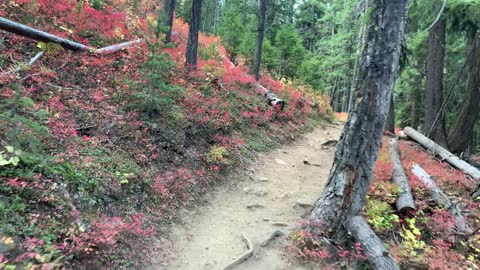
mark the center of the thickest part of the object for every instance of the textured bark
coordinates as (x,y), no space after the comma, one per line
(192,43)
(436,195)
(443,153)
(378,257)
(262,11)
(404,202)
(461,133)
(357,150)
(169,10)
(390,124)
(434,115)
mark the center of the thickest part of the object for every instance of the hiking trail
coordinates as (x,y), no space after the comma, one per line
(274,194)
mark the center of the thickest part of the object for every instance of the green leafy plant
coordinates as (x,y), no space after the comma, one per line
(381,216)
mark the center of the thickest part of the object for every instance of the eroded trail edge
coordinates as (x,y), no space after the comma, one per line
(274,194)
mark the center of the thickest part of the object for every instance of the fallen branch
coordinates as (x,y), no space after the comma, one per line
(404,202)
(247,254)
(378,257)
(29,32)
(271,97)
(32,61)
(436,194)
(443,153)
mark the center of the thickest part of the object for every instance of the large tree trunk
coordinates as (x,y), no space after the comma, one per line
(461,132)
(434,115)
(169,10)
(262,11)
(192,43)
(357,150)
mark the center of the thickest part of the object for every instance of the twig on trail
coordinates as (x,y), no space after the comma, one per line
(247,254)
(274,235)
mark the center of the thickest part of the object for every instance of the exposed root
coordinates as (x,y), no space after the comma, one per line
(274,235)
(247,254)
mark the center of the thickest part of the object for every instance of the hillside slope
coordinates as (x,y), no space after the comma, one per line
(98,152)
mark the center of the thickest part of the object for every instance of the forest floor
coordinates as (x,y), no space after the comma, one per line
(274,194)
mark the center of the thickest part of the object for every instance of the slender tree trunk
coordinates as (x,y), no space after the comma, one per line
(390,124)
(262,11)
(362,7)
(216,15)
(461,132)
(192,43)
(415,121)
(357,150)
(244,12)
(169,9)
(434,116)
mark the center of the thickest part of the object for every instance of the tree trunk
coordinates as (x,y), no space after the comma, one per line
(404,202)
(262,11)
(390,124)
(357,150)
(169,10)
(192,43)
(362,7)
(443,153)
(415,121)
(461,132)
(377,255)
(434,116)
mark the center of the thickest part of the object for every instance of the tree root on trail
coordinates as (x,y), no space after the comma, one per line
(247,254)
(274,235)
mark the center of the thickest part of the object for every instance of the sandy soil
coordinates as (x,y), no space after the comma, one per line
(264,199)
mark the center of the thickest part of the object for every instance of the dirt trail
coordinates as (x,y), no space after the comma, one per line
(210,237)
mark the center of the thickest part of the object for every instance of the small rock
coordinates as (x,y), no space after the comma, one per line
(262,179)
(303,204)
(286,195)
(266,219)
(248,190)
(255,205)
(261,193)
(280,224)
(280,162)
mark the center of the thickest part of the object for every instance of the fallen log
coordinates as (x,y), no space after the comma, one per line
(404,202)
(378,257)
(26,31)
(272,99)
(443,153)
(29,32)
(436,194)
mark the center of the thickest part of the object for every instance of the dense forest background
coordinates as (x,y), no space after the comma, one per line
(319,43)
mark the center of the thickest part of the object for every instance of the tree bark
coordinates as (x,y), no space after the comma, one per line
(443,153)
(192,43)
(377,255)
(169,10)
(357,150)
(436,194)
(434,116)
(262,11)
(461,132)
(390,124)
(404,202)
